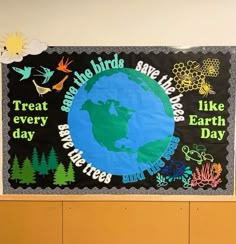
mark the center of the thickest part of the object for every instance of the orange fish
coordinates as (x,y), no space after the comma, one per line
(217,168)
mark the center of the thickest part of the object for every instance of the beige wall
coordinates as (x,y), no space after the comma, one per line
(108,22)
(125,22)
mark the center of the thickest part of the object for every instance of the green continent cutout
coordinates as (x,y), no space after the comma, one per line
(143,80)
(152,151)
(149,84)
(109,126)
(89,85)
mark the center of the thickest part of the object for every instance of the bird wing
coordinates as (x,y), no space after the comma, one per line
(41,73)
(67,70)
(48,77)
(61,63)
(68,62)
(46,70)
(18,70)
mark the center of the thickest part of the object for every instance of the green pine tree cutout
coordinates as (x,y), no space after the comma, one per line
(35,159)
(28,173)
(43,167)
(52,160)
(60,176)
(15,170)
(70,173)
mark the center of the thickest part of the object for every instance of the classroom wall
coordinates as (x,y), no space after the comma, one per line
(106,22)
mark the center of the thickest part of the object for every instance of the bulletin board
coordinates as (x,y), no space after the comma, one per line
(118,120)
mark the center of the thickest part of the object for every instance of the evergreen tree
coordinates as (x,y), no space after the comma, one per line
(60,175)
(15,170)
(28,173)
(35,159)
(70,173)
(43,167)
(52,160)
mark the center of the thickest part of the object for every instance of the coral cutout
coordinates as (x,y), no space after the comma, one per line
(211,67)
(207,175)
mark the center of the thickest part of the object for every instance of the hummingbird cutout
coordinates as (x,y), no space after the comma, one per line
(46,73)
(26,72)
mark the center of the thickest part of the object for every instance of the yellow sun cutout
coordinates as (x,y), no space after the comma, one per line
(14,44)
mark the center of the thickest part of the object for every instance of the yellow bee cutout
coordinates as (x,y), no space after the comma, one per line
(193,77)
(186,80)
(206,89)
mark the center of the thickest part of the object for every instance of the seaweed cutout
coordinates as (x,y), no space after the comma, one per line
(207,175)
(186,183)
(161,180)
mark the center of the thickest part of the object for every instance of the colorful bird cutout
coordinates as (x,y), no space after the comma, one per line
(40,89)
(60,84)
(26,72)
(63,66)
(46,73)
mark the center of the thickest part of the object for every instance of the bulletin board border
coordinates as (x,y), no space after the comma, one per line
(7,189)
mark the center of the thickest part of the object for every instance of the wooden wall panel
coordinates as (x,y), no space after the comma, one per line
(212,222)
(125,222)
(30,222)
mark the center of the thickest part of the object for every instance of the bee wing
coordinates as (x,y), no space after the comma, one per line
(180,76)
(194,78)
(212,92)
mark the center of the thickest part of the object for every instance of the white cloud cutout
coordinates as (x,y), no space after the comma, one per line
(6,58)
(34,47)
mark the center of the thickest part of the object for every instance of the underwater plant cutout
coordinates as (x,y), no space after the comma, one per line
(176,170)
(161,180)
(186,183)
(207,175)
